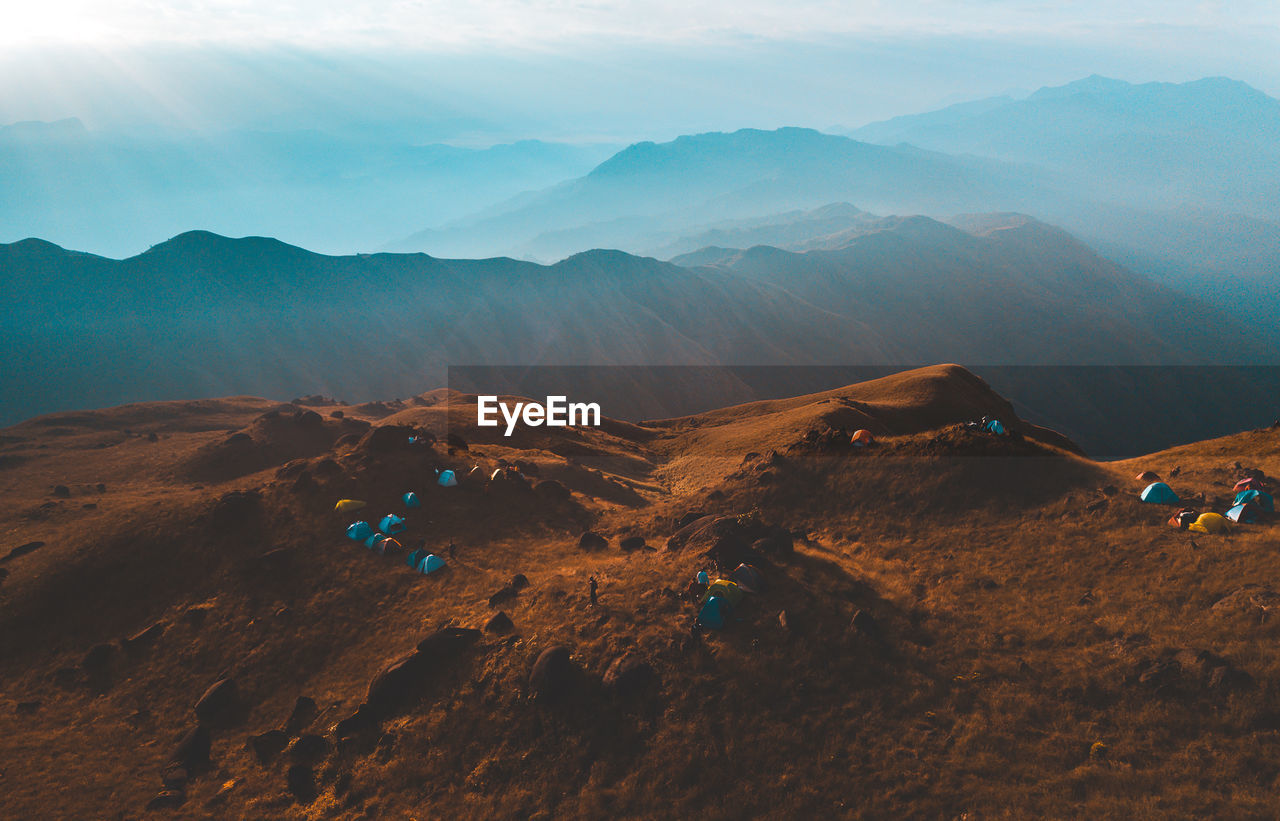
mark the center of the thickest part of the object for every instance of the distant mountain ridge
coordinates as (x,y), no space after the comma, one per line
(204,315)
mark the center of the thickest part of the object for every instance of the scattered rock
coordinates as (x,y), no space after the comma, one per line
(143,639)
(22,550)
(632,543)
(220,702)
(26,708)
(98,657)
(62,491)
(403,678)
(167,799)
(628,673)
(867,625)
(456,442)
(519,581)
(266,746)
(552,491)
(304,712)
(175,777)
(192,752)
(552,673)
(309,749)
(504,595)
(102,488)
(500,623)
(1251,599)
(301,781)
(591,541)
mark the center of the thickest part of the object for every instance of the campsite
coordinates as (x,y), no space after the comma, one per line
(896,598)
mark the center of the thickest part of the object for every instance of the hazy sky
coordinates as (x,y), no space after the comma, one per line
(476,71)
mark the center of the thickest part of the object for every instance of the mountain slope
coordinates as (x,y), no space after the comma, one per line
(949,617)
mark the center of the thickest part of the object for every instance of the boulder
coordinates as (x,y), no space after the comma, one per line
(309,749)
(628,673)
(499,623)
(503,595)
(552,673)
(386,439)
(304,712)
(301,782)
(519,581)
(175,777)
(591,541)
(62,491)
(192,751)
(456,442)
(632,543)
(552,491)
(167,799)
(266,746)
(98,657)
(220,702)
(22,550)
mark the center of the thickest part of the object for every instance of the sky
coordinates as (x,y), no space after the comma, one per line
(485,71)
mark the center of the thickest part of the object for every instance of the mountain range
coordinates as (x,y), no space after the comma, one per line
(204,315)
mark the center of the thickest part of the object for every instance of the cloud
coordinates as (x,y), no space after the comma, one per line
(540,24)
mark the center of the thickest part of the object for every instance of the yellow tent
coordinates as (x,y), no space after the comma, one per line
(725,589)
(1209,523)
(348,505)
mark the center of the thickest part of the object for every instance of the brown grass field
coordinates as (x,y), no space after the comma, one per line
(1041,643)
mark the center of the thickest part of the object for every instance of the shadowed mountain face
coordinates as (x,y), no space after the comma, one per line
(202,315)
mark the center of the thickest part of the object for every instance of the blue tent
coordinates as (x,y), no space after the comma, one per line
(431,563)
(414,558)
(994,426)
(714,613)
(410,499)
(703,578)
(359,531)
(1246,513)
(1158,493)
(1260,498)
(373,541)
(391,524)
(447,479)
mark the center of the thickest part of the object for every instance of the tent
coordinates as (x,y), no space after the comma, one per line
(1247,513)
(359,531)
(995,426)
(447,479)
(415,558)
(391,524)
(389,545)
(1183,518)
(410,499)
(1208,523)
(748,578)
(1260,498)
(1158,493)
(862,438)
(375,541)
(431,563)
(724,589)
(1148,476)
(1252,483)
(703,578)
(348,505)
(714,613)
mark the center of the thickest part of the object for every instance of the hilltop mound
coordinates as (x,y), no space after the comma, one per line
(940,617)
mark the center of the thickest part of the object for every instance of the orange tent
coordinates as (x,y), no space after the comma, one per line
(862,438)
(1148,476)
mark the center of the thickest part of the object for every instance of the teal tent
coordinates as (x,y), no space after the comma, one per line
(410,499)
(359,531)
(391,524)
(414,558)
(1158,493)
(431,563)
(994,426)
(1260,498)
(373,541)
(714,613)
(447,479)
(1246,513)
